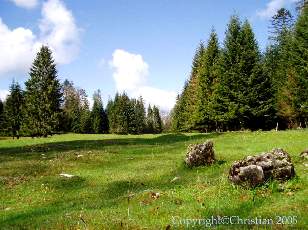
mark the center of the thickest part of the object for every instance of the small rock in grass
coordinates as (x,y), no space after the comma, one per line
(200,154)
(66,175)
(155,195)
(255,170)
(304,154)
(175,179)
(79,155)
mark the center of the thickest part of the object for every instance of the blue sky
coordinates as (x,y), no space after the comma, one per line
(142,47)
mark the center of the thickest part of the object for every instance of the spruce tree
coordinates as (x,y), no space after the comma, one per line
(256,97)
(230,89)
(300,62)
(43,96)
(1,116)
(149,119)
(85,125)
(120,113)
(280,68)
(13,109)
(157,122)
(70,107)
(204,115)
(98,115)
(140,116)
(190,97)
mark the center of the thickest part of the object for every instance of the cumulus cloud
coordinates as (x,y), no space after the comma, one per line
(3,94)
(163,98)
(28,4)
(272,7)
(130,75)
(130,70)
(57,29)
(17,46)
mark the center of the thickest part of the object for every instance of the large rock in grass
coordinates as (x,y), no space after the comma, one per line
(255,170)
(200,154)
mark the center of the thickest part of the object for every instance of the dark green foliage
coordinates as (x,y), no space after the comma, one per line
(149,120)
(13,109)
(2,120)
(137,122)
(187,101)
(281,23)
(300,62)
(127,116)
(98,115)
(228,89)
(157,122)
(76,116)
(70,107)
(85,124)
(233,79)
(42,96)
(204,114)
(119,114)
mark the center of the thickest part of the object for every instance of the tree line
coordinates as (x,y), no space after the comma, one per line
(46,107)
(236,86)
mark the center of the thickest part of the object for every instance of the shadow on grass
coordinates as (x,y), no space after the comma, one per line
(100,144)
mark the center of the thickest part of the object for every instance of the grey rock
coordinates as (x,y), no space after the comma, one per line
(255,170)
(304,154)
(200,154)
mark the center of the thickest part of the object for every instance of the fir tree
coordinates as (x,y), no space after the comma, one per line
(157,122)
(13,109)
(42,96)
(140,116)
(300,62)
(70,107)
(85,125)
(149,119)
(1,116)
(230,89)
(204,115)
(98,115)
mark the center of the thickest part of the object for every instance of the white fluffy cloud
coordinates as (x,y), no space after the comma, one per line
(17,46)
(163,98)
(57,29)
(3,94)
(28,4)
(130,75)
(272,7)
(130,70)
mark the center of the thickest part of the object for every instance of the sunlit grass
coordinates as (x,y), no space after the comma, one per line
(116,177)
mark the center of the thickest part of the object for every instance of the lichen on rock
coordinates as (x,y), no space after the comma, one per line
(200,154)
(255,170)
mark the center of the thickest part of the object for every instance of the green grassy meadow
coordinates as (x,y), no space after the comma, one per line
(141,182)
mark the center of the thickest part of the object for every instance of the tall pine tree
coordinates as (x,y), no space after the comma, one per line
(207,79)
(300,62)
(157,122)
(98,114)
(13,109)
(1,116)
(43,96)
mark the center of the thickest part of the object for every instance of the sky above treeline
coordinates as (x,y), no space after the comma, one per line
(140,47)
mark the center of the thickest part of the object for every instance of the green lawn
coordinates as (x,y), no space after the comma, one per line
(119,178)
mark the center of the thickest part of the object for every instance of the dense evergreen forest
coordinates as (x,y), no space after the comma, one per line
(46,106)
(232,87)
(236,87)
